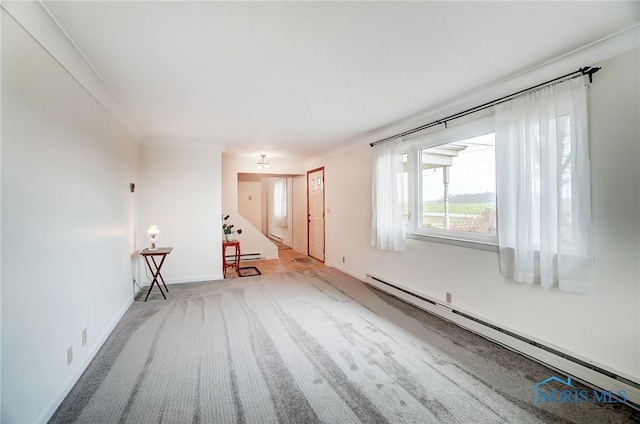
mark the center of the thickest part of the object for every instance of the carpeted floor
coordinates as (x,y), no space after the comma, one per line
(306,347)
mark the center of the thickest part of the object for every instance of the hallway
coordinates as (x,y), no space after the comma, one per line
(290,260)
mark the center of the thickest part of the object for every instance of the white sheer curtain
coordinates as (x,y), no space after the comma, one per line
(387,226)
(280,203)
(543,186)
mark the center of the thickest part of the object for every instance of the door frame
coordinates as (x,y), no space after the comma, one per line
(324,248)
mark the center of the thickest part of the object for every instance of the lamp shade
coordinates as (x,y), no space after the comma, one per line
(153,230)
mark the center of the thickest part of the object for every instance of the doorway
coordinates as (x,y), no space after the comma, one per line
(315,213)
(257,194)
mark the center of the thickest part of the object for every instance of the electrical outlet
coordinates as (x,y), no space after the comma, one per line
(84,337)
(69,354)
(448,297)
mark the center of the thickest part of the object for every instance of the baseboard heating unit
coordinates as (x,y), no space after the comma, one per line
(245,257)
(580,370)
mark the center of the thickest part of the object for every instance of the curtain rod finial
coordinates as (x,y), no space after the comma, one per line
(588,70)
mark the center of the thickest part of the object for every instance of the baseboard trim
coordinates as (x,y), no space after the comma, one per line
(581,369)
(55,403)
(182,280)
(204,279)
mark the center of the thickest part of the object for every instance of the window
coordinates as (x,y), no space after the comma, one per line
(451,189)
(459,186)
(566,210)
(280,203)
(543,186)
(517,182)
(404,190)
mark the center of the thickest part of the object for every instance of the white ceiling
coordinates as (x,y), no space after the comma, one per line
(295,79)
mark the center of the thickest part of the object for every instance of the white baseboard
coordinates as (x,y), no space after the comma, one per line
(198,279)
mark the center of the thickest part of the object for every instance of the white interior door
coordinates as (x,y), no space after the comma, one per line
(315,208)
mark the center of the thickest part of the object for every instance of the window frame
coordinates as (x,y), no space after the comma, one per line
(413,146)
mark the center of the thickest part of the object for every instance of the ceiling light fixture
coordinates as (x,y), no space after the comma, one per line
(263,163)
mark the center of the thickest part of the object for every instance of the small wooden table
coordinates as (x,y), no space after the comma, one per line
(235,244)
(155,269)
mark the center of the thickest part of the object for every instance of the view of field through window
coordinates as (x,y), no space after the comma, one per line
(458,186)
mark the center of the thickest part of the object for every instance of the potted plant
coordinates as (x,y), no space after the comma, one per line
(229,229)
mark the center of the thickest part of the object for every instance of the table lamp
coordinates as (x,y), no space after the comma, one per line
(153,233)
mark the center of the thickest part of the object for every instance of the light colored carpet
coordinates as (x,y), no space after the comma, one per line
(305,347)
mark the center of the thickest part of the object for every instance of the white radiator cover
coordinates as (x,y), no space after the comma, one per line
(247,256)
(590,374)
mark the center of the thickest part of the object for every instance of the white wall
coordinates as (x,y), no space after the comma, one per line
(250,202)
(68,223)
(180,191)
(602,327)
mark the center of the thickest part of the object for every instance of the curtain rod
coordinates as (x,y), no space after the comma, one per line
(587,70)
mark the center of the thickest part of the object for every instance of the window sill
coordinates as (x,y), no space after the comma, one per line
(489,247)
